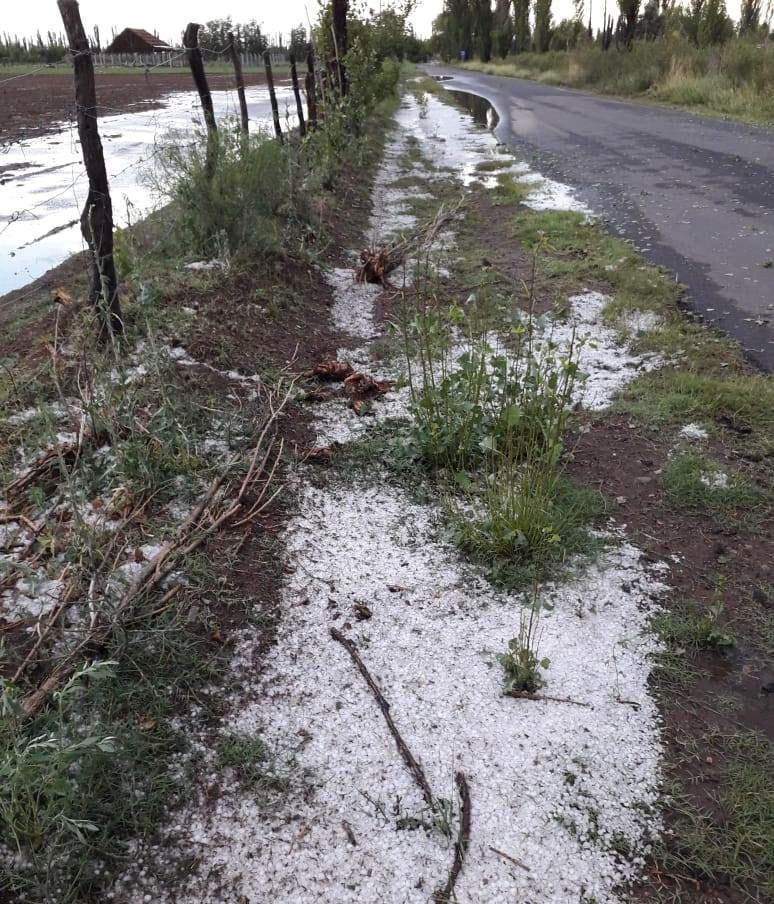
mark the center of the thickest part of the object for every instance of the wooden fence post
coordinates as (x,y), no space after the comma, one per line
(97,216)
(194,54)
(232,53)
(339,10)
(272,95)
(299,105)
(311,89)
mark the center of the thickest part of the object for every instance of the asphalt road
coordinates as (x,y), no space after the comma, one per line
(692,193)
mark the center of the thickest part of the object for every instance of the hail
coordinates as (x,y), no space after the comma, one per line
(564,793)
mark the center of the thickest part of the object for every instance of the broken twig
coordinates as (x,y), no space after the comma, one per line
(444,895)
(408,758)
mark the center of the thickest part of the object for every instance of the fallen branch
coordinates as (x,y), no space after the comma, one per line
(523,695)
(408,758)
(376,264)
(49,461)
(444,895)
(202,522)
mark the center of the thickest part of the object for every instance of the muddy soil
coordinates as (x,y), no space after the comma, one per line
(43,103)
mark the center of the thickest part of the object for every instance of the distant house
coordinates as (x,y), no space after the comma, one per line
(137,40)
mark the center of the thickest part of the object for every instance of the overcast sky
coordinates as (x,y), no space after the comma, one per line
(169,17)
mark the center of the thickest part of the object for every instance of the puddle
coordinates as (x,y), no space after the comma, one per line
(478,107)
(43,185)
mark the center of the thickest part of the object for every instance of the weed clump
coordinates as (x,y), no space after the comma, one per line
(490,415)
(693,482)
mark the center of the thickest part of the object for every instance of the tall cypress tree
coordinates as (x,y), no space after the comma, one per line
(503,28)
(522,37)
(542,25)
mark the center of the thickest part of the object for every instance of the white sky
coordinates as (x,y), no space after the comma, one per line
(169,18)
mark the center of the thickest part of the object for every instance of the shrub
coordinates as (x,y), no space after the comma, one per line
(249,207)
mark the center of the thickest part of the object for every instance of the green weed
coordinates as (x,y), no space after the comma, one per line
(522,663)
(694,483)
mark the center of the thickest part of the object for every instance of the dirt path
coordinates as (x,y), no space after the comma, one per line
(365,558)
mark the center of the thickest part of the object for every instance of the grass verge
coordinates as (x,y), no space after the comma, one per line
(733,80)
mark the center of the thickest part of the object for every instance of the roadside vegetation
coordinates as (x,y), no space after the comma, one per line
(494,431)
(691,55)
(141,479)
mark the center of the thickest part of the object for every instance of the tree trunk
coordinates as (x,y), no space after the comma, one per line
(272,95)
(299,105)
(311,90)
(97,216)
(339,9)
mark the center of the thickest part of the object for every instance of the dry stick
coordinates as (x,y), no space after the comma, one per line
(299,105)
(194,54)
(444,895)
(97,216)
(508,857)
(408,757)
(311,90)
(70,596)
(523,695)
(233,55)
(154,573)
(272,95)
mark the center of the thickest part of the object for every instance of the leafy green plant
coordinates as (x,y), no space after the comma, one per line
(522,662)
(474,396)
(40,808)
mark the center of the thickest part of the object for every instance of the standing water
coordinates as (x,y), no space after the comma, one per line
(43,182)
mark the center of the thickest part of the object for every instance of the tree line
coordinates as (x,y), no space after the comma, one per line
(487,28)
(213,36)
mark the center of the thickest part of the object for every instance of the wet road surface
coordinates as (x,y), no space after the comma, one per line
(694,194)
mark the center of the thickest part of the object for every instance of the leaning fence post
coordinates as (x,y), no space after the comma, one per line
(311,89)
(272,94)
(97,216)
(233,54)
(299,105)
(194,54)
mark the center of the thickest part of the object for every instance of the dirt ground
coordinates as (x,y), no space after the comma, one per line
(39,104)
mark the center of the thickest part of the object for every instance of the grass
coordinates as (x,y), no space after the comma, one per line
(693,482)
(704,393)
(733,844)
(733,80)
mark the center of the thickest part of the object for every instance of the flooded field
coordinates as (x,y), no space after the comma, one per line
(43,183)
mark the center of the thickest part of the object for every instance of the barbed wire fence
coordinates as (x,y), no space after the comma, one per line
(156,123)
